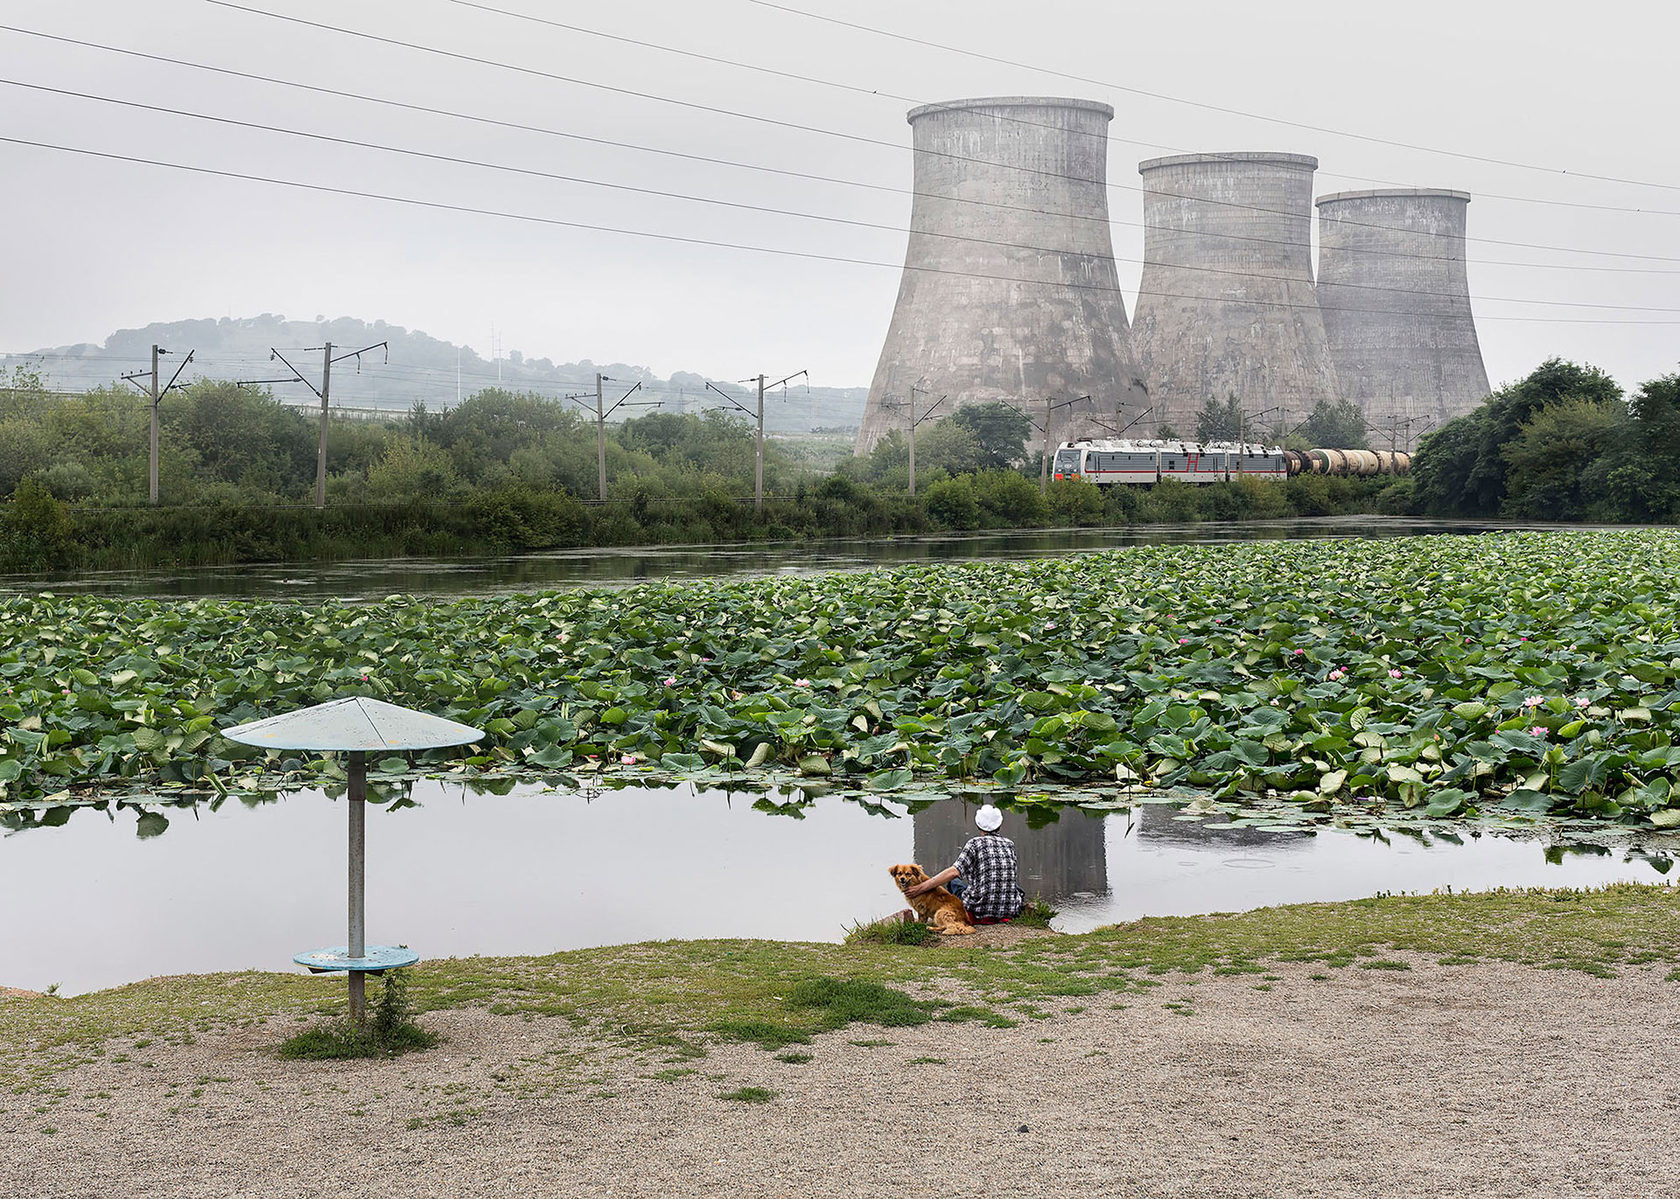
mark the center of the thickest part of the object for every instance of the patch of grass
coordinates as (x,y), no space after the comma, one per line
(1383,964)
(875,1044)
(963,1012)
(891,931)
(926,1061)
(841,1001)
(1037,914)
(675,1073)
(763,1033)
(793,1058)
(748,1095)
(388,1032)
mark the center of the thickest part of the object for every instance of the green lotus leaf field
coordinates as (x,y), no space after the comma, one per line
(1454,675)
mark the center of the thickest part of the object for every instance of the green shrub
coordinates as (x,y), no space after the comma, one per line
(951,503)
(891,931)
(1007,498)
(390,1030)
(1076,502)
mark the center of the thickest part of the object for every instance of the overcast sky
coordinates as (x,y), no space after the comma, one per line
(92,245)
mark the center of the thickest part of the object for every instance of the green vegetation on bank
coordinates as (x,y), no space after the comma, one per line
(510,473)
(1562,444)
(668,1002)
(1521,674)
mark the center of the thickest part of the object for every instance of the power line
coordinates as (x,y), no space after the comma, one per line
(888,188)
(680,239)
(1237,112)
(803,128)
(765,209)
(856,89)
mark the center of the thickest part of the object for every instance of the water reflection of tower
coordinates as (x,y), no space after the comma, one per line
(1061,859)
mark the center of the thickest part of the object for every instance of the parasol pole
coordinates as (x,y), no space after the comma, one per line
(358,882)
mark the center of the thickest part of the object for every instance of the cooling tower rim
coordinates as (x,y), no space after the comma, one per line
(1393,193)
(925,110)
(1268,157)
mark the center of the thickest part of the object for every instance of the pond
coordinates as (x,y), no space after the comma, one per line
(90,905)
(625,566)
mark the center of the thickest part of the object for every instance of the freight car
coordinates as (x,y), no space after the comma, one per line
(1143,462)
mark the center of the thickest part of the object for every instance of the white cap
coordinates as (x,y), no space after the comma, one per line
(988,818)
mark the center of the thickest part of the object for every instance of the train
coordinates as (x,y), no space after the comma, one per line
(1106,463)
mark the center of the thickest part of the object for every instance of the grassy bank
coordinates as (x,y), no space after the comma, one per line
(39,533)
(665,1003)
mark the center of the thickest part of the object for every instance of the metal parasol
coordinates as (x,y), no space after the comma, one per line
(354,726)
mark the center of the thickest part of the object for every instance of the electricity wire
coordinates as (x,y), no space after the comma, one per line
(716,243)
(1237,112)
(769,210)
(803,128)
(887,188)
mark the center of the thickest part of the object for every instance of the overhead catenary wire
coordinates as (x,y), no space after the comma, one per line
(664,193)
(889,188)
(682,239)
(806,128)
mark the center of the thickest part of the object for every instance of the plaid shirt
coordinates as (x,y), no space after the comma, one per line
(987,867)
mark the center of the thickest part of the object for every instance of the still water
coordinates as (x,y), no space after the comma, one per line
(90,905)
(625,566)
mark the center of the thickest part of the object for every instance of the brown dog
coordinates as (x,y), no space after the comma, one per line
(937,907)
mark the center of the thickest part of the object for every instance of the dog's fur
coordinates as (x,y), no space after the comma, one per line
(938,907)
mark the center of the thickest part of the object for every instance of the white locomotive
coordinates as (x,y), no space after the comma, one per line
(1143,462)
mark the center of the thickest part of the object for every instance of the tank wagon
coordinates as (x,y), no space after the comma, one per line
(1106,463)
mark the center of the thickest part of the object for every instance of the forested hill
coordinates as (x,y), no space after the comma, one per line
(421,368)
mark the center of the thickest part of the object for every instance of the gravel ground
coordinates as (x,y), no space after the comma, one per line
(1485,1080)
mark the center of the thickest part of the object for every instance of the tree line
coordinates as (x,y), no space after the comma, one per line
(507,471)
(1563,444)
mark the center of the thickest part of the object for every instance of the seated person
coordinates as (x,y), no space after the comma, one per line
(984,874)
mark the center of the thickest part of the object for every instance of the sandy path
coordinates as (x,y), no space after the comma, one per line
(1486,1080)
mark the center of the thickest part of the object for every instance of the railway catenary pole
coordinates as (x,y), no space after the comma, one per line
(321,443)
(916,420)
(156,394)
(601,414)
(600,436)
(758,416)
(152,456)
(327,360)
(1050,406)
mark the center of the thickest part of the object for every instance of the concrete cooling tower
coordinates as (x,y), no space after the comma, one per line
(1396,303)
(1009,289)
(1226,305)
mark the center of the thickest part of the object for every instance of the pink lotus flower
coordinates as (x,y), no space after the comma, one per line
(1582,701)
(1533,701)
(1299,652)
(627,760)
(801,682)
(1184,641)
(1338,675)
(672,681)
(1538,730)
(1394,674)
